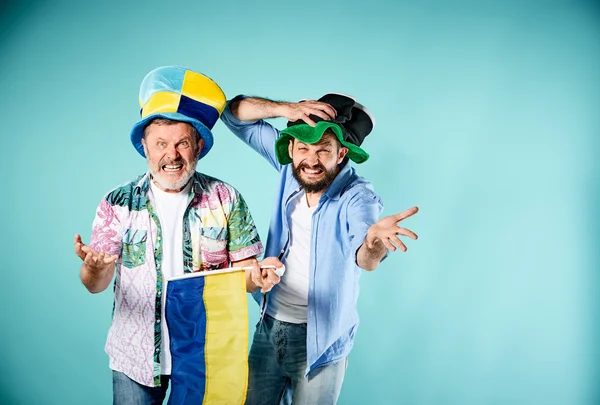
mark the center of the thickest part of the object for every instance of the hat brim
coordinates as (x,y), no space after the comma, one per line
(307,134)
(137,133)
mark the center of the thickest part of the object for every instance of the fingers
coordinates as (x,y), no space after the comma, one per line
(302,111)
(100,260)
(89,261)
(79,251)
(321,114)
(408,213)
(307,119)
(388,245)
(407,232)
(110,259)
(255,274)
(78,247)
(93,260)
(326,108)
(269,279)
(269,276)
(396,241)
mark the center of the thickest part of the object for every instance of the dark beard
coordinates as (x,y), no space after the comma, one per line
(320,185)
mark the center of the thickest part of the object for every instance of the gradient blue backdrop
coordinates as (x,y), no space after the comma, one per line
(487,119)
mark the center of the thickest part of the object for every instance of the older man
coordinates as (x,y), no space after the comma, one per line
(170,221)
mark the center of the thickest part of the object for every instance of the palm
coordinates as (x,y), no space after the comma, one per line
(95,261)
(386,231)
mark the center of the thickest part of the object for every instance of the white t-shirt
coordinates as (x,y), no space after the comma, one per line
(170,208)
(290,303)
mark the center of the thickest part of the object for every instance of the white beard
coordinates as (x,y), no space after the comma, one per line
(169,185)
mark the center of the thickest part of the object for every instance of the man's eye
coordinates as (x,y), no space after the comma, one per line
(184,144)
(161,144)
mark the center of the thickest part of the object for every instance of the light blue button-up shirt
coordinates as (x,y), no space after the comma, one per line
(340,222)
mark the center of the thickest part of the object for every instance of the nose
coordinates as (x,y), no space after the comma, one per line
(312,159)
(171,152)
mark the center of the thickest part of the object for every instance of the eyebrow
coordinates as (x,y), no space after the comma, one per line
(320,143)
(325,143)
(184,138)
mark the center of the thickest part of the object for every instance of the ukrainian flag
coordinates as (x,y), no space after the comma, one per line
(207,317)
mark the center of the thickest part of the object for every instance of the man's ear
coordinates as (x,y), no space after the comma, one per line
(291,147)
(145,146)
(200,146)
(342,154)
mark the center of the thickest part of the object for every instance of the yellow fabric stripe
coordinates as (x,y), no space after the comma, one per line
(160,102)
(200,88)
(226,348)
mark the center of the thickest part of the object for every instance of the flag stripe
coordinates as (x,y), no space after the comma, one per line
(186,320)
(226,338)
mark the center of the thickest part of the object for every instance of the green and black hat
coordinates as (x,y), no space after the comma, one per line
(351,126)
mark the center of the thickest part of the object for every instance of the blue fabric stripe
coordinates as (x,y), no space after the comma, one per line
(186,320)
(204,113)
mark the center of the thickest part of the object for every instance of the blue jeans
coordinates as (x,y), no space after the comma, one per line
(128,392)
(277,365)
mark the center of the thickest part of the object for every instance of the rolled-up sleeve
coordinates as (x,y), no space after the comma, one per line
(363,211)
(107,235)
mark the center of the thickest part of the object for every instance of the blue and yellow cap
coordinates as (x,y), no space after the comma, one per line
(179,94)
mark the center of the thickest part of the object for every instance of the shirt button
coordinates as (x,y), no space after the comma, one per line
(158,321)
(157,350)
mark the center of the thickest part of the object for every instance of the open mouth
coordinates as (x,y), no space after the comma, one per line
(172,168)
(312,172)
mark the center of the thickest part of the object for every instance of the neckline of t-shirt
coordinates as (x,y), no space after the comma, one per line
(158,191)
(304,201)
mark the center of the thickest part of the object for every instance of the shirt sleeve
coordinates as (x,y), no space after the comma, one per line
(243,239)
(106,230)
(363,211)
(259,135)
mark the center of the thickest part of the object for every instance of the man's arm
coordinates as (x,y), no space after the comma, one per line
(97,269)
(244,116)
(368,258)
(254,109)
(383,236)
(244,245)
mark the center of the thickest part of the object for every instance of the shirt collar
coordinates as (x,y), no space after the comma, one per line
(335,189)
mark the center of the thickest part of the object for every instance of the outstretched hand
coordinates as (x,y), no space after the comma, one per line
(96,262)
(386,231)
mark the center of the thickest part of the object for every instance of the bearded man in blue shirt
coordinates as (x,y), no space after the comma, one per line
(325,229)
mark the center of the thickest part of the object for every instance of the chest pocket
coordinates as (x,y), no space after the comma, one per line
(213,248)
(134,248)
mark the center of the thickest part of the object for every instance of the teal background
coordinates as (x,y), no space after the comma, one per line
(487,119)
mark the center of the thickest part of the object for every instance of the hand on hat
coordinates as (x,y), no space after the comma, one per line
(303,110)
(386,231)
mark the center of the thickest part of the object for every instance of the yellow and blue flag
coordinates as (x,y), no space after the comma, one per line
(207,318)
